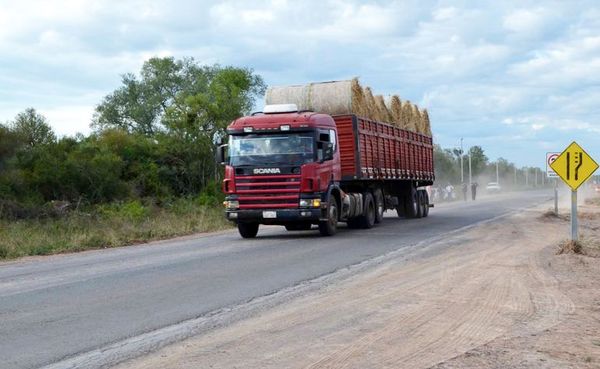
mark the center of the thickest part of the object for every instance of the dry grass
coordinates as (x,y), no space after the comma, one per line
(107,227)
(550,214)
(569,247)
(593,201)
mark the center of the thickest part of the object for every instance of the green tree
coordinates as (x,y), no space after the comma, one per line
(479,160)
(178,95)
(32,128)
(447,168)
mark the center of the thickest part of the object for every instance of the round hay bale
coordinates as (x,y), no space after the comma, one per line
(426,122)
(370,104)
(396,111)
(333,97)
(418,122)
(407,116)
(382,110)
(358,99)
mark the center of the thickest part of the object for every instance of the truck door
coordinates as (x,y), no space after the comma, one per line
(330,168)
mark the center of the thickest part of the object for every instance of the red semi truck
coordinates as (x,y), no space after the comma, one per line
(300,168)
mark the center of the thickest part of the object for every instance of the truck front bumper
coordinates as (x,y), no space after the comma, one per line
(275,216)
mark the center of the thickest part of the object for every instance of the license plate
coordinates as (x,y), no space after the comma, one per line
(269,214)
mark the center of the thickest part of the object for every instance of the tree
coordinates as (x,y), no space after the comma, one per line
(32,128)
(178,95)
(479,160)
(446,166)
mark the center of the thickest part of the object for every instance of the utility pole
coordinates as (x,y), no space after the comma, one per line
(526,177)
(535,170)
(543,179)
(470,173)
(515,176)
(497,177)
(462,172)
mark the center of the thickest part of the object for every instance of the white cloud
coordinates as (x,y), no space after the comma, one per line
(67,120)
(486,71)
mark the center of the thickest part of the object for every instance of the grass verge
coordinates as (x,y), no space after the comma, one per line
(107,226)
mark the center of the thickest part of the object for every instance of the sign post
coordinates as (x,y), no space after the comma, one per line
(550,157)
(555,196)
(574,166)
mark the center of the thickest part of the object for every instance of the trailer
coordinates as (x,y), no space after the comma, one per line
(300,168)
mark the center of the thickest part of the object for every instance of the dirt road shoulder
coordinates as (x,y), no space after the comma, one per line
(490,287)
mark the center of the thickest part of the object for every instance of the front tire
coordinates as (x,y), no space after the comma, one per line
(329,227)
(248,230)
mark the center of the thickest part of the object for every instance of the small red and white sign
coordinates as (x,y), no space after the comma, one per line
(550,157)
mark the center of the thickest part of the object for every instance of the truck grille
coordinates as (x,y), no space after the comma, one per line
(268,192)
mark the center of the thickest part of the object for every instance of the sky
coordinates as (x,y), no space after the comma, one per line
(519,78)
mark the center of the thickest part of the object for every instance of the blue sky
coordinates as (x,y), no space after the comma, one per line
(519,78)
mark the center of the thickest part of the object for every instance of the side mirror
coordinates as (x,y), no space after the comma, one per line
(222,154)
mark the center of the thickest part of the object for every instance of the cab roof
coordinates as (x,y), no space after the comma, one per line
(296,120)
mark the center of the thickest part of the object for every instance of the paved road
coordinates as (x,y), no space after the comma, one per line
(56,307)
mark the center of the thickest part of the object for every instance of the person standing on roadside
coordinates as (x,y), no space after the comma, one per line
(465,188)
(473,190)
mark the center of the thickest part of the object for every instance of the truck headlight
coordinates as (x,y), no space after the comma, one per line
(232,204)
(307,203)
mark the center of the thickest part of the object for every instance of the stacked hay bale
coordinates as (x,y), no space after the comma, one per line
(349,97)
(426,122)
(395,107)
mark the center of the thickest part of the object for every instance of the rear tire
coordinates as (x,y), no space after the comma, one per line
(329,227)
(367,220)
(425,204)
(379,205)
(411,204)
(298,226)
(420,201)
(248,230)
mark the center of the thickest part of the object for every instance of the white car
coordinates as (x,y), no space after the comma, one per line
(493,187)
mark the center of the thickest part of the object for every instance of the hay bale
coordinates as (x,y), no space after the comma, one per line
(407,116)
(382,110)
(396,111)
(333,97)
(417,122)
(426,122)
(370,104)
(358,99)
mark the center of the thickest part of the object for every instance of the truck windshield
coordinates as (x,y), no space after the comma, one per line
(294,149)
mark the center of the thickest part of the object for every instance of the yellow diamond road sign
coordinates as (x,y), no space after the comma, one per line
(574,166)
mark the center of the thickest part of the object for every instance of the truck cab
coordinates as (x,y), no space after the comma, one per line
(281,166)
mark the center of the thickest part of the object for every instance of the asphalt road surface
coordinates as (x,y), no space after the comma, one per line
(57,307)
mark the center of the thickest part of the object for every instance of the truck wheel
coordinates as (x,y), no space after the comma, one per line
(425,204)
(411,204)
(248,230)
(329,227)
(420,200)
(379,205)
(367,220)
(298,226)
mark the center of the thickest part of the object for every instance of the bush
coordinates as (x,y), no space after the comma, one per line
(132,210)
